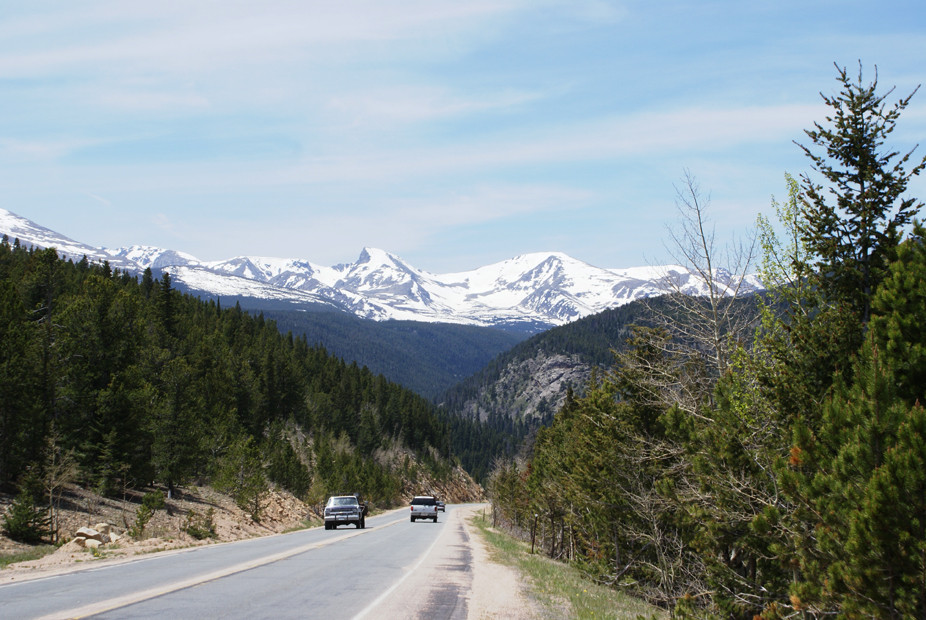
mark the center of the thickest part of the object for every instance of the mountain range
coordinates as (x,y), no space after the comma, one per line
(528,293)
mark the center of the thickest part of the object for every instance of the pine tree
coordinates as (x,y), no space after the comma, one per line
(28,520)
(21,411)
(861,478)
(853,226)
(899,308)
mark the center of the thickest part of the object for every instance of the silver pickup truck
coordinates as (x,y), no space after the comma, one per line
(424,507)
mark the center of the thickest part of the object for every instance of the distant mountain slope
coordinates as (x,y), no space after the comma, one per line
(427,358)
(523,387)
(528,382)
(528,293)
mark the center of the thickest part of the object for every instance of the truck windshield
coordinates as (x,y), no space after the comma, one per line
(343,501)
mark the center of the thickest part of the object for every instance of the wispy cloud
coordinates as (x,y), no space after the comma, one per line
(39,149)
(189,37)
(420,103)
(144,100)
(395,122)
(100,199)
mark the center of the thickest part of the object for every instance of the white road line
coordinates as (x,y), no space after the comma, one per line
(137,597)
(379,599)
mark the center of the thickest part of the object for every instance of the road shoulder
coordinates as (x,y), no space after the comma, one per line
(498,591)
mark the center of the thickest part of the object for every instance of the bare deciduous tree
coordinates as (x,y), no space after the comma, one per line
(60,469)
(705,317)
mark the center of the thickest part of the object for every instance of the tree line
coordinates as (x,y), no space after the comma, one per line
(123,382)
(771,464)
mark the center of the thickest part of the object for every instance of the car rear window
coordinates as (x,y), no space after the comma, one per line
(423,501)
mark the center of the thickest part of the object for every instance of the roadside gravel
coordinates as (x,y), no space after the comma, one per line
(498,591)
(456,580)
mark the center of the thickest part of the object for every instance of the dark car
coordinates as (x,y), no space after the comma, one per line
(344,510)
(440,506)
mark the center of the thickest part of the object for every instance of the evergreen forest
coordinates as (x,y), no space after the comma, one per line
(124,382)
(770,465)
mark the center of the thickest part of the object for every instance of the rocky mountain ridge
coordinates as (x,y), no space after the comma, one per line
(531,292)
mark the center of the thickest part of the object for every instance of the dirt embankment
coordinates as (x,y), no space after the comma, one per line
(166,529)
(280,512)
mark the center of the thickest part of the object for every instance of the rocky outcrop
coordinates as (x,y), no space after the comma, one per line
(529,389)
(96,536)
(458,488)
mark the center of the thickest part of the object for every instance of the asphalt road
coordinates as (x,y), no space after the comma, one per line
(393,568)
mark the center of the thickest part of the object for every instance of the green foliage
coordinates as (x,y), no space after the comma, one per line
(592,341)
(899,306)
(33,553)
(146,385)
(793,483)
(59,468)
(200,526)
(154,500)
(427,358)
(860,477)
(853,225)
(28,520)
(284,466)
(142,516)
(240,473)
(150,503)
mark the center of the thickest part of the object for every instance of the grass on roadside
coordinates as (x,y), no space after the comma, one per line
(34,553)
(559,588)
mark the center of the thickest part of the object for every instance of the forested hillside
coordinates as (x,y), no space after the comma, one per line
(124,382)
(427,358)
(518,390)
(521,389)
(586,343)
(780,473)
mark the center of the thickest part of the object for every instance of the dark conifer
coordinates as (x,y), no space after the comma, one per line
(854,224)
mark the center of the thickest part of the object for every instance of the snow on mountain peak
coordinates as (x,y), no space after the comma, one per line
(538,288)
(153,257)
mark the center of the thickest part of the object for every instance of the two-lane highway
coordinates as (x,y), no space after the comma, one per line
(307,574)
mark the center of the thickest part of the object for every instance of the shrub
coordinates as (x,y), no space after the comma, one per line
(26,521)
(150,503)
(200,526)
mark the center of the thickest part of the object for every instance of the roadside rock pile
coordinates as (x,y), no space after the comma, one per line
(460,488)
(99,534)
(90,538)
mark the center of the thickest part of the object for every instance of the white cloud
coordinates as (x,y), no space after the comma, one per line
(36,149)
(163,222)
(189,37)
(149,100)
(100,199)
(419,103)
(687,130)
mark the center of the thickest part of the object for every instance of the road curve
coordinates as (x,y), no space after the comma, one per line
(393,568)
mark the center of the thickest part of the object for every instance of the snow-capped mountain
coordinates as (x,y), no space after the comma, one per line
(539,289)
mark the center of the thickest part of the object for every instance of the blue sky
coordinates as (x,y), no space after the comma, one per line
(453,134)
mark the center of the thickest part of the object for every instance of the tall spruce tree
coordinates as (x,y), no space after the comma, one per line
(854,224)
(855,461)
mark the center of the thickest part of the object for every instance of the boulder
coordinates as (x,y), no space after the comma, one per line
(89,533)
(72,546)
